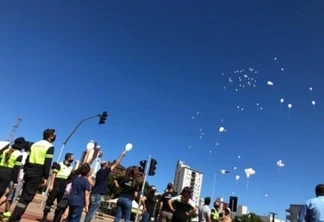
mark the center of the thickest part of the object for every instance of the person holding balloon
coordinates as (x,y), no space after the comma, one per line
(101,184)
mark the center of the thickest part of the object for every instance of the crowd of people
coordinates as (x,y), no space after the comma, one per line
(25,167)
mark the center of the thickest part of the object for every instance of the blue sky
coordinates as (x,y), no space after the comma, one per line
(153,65)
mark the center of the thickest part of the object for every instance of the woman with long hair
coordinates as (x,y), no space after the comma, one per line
(10,162)
(127,195)
(182,206)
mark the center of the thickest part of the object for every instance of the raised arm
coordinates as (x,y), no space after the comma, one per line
(118,161)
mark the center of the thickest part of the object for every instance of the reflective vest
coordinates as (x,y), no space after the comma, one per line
(214,214)
(64,171)
(38,152)
(12,162)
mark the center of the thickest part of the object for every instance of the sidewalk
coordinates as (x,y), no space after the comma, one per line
(34,212)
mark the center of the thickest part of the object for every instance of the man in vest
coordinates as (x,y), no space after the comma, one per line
(215,212)
(61,172)
(37,170)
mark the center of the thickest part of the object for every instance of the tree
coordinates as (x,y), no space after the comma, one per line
(251,217)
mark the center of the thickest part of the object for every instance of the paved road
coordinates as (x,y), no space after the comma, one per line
(34,212)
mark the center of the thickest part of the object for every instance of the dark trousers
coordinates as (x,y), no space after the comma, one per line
(75,213)
(57,193)
(5,179)
(29,191)
(60,209)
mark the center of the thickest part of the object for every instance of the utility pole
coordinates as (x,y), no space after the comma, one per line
(147,167)
(273,216)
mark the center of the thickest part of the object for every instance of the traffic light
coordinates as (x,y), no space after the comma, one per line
(103,117)
(233,203)
(152,167)
(142,166)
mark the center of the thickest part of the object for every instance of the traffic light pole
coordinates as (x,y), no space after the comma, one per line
(75,129)
(147,167)
(60,154)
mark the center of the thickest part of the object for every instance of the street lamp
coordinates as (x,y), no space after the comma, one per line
(222,172)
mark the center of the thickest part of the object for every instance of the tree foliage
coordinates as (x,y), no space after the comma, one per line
(251,217)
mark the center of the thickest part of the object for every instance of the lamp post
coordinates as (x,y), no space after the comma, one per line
(63,146)
(222,172)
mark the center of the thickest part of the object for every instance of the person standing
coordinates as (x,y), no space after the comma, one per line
(14,193)
(37,170)
(182,206)
(80,194)
(61,172)
(148,202)
(128,194)
(10,162)
(227,215)
(313,210)
(204,212)
(165,213)
(215,211)
(100,187)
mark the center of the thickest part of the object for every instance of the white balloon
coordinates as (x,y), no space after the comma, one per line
(289,105)
(310,88)
(282,100)
(224,172)
(237,177)
(128,147)
(313,103)
(221,129)
(249,172)
(91,145)
(280,163)
(270,83)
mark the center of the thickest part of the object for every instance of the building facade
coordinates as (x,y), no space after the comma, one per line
(187,177)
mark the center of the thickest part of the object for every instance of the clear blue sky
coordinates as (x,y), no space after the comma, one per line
(153,65)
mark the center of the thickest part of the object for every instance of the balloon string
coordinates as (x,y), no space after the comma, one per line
(247,184)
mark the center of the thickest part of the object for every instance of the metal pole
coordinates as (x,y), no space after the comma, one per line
(213,187)
(143,187)
(71,134)
(60,154)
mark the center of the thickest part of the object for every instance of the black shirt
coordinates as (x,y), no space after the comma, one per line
(149,202)
(128,189)
(165,199)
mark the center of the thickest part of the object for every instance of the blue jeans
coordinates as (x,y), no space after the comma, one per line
(95,200)
(146,217)
(75,214)
(124,208)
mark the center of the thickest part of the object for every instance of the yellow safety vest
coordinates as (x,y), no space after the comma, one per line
(64,171)
(214,214)
(12,162)
(38,152)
